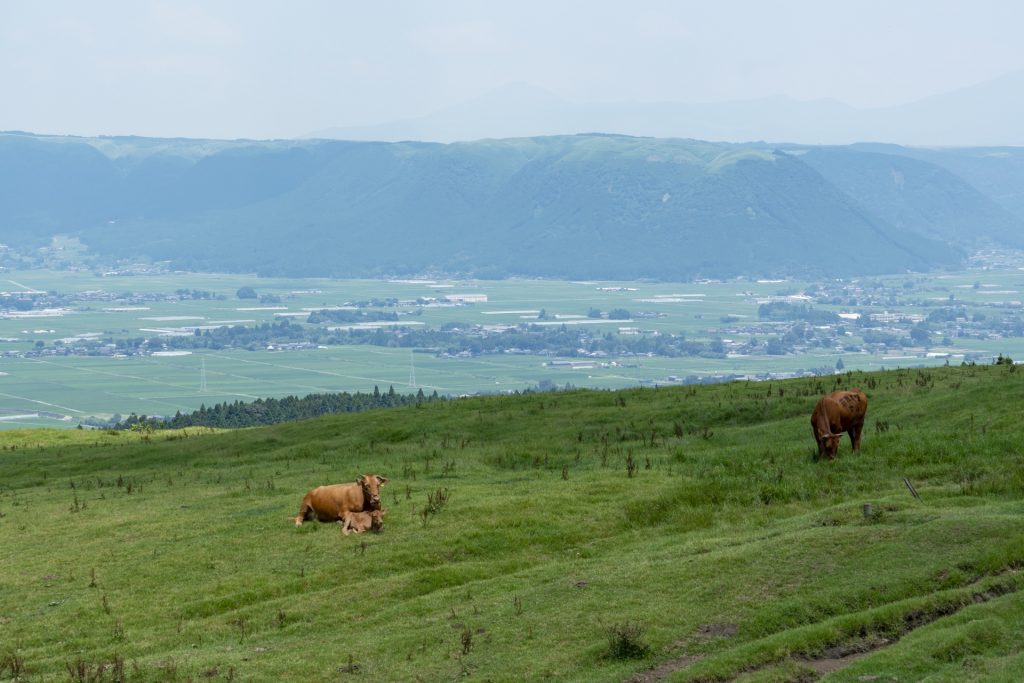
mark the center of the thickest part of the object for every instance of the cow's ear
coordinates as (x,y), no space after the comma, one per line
(381,480)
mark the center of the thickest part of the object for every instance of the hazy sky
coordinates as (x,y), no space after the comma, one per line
(254,68)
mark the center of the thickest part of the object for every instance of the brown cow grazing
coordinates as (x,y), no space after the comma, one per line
(358,522)
(331,503)
(838,412)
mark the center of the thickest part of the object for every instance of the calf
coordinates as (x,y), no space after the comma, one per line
(835,413)
(358,522)
(331,503)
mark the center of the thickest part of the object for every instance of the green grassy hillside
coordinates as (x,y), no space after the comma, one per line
(690,527)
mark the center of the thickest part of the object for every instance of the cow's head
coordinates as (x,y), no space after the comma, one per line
(371,483)
(828,444)
(377,521)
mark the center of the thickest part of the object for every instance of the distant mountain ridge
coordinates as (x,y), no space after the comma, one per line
(985,114)
(581,206)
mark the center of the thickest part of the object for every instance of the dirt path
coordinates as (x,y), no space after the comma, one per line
(832,659)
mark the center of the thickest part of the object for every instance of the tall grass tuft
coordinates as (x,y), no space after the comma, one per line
(625,641)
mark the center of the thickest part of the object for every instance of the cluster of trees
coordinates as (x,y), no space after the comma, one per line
(349,316)
(16,304)
(614,314)
(266,411)
(233,337)
(240,336)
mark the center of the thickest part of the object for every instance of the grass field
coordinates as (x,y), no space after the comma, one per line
(678,534)
(77,387)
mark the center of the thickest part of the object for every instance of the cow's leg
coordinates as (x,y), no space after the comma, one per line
(304,511)
(855,436)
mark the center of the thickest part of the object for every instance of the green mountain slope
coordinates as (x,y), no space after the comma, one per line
(996,171)
(532,537)
(48,188)
(921,197)
(569,206)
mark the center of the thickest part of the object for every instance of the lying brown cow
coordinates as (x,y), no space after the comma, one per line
(838,412)
(358,522)
(331,503)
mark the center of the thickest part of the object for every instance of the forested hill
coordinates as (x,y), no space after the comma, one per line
(572,206)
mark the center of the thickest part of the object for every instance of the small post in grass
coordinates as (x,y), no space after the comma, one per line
(910,486)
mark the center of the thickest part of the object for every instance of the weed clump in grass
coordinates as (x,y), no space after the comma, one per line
(82,671)
(243,627)
(625,641)
(435,501)
(15,664)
